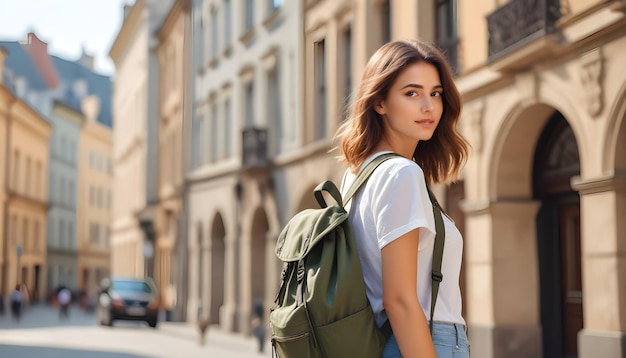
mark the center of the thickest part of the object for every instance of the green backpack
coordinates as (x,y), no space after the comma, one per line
(321,309)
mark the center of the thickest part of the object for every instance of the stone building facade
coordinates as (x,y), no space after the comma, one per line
(24,164)
(545,186)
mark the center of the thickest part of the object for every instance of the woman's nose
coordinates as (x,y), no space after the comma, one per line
(427,104)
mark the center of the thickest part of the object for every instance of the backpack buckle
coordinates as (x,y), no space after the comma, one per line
(437,276)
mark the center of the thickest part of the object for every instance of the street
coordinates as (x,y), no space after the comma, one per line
(41,334)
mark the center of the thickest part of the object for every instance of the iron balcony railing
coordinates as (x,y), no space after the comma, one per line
(518,22)
(254,151)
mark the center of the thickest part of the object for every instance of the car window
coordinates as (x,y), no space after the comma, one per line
(131,286)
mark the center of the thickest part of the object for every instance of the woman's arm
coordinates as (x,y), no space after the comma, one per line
(399,269)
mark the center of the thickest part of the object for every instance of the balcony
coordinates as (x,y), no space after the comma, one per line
(519,23)
(254,148)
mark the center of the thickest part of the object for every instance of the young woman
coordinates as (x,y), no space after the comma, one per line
(407,103)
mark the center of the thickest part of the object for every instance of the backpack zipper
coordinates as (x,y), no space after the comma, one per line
(291,338)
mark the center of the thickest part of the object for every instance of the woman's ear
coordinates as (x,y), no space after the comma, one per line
(379,107)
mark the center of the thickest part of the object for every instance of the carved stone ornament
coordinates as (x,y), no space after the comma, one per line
(473,124)
(592,79)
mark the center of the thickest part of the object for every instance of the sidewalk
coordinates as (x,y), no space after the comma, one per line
(215,338)
(217,342)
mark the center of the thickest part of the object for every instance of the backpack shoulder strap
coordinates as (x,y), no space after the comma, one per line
(365,173)
(440,238)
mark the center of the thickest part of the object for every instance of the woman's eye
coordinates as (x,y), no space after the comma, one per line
(411,93)
(437,94)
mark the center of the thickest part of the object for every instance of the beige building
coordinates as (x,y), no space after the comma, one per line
(540,199)
(174,103)
(23,193)
(95,197)
(135,139)
(247,101)
(268,101)
(544,189)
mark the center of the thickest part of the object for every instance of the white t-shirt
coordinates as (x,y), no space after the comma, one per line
(64,296)
(393,202)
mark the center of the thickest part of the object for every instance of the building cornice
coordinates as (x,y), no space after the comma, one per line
(615,182)
(127,29)
(180,7)
(66,112)
(30,118)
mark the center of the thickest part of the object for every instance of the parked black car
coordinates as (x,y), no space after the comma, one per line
(132,299)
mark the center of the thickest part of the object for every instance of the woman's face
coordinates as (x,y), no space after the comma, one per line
(413,106)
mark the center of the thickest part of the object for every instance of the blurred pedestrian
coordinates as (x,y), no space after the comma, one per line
(16,302)
(258,325)
(64,298)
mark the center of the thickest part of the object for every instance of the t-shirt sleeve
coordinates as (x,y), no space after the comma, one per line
(400,203)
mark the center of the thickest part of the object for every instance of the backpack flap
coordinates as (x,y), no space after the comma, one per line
(306,229)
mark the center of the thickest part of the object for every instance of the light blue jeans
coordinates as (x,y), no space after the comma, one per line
(450,340)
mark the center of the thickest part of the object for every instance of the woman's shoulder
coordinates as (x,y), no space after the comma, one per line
(399,165)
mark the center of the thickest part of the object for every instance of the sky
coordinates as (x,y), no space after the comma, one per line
(67,26)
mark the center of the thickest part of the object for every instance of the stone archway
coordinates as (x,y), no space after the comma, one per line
(217,269)
(258,267)
(502,260)
(556,162)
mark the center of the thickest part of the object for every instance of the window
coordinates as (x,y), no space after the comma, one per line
(446,31)
(96,233)
(99,198)
(62,197)
(385,13)
(201,138)
(52,189)
(14,230)
(320,90)
(25,238)
(73,151)
(28,190)
(228,127)
(38,180)
(70,234)
(106,236)
(61,242)
(249,20)
(91,196)
(347,66)
(214,34)
(36,239)
(16,170)
(227,23)
(92,236)
(274,118)
(206,137)
(63,148)
(198,39)
(215,134)
(195,142)
(72,193)
(249,98)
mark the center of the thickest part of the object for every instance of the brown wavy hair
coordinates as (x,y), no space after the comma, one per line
(442,157)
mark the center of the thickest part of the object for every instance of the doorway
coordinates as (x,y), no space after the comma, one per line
(558,238)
